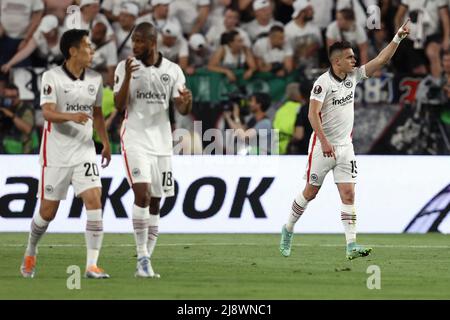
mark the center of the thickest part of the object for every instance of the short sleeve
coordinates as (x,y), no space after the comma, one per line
(119,75)
(38,5)
(48,89)
(99,98)
(184,49)
(288,52)
(179,82)
(319,90)
(257,48)
(360,74)
(331,32)
(201,3)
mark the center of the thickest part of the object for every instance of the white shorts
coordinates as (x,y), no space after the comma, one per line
(344,166)
(55,181)
(155,170)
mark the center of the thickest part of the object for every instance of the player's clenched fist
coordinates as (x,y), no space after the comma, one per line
(80,117)
(130,68)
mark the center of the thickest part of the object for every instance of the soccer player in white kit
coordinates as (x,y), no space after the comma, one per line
(144,86)
(71,99)
(331,115)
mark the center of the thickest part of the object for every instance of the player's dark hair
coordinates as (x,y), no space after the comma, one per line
(276,28)
(262,99)
(348,14)
(148,30)
(339,46)
(71,38)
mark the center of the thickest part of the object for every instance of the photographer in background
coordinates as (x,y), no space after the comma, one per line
(258,126)
(16,122)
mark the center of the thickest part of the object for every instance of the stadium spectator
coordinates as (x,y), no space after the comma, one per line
(323,10)
(260,26)
(257,128)
(173,46)
(123,29)
(18,22)
(285,116)
(359,7)
(199,53)
(217,11)
(90,16)
(58,8)
(273,53)
(232,55)
(112,8)
(16,123)
(105,56)
(45,40)
(229,22)
(303,130)
(425,16)
(304,36)
(346,29)
(192,14)
(159,16)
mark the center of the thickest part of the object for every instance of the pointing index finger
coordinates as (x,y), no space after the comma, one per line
(405,23)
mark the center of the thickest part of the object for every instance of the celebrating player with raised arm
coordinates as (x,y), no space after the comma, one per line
(71,98)
(331,115)
(144,86)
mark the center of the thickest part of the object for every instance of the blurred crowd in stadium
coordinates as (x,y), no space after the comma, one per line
(239,39)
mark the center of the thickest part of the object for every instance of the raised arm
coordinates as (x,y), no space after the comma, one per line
(386,54)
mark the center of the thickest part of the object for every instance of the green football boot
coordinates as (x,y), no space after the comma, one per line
(286,242)
(355,251)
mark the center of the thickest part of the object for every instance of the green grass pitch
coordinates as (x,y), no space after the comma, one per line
(234,266)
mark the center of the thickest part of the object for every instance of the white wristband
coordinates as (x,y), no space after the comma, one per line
(397,39)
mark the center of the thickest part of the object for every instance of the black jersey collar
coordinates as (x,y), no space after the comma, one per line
(158,62)
(335,76)
(70,75)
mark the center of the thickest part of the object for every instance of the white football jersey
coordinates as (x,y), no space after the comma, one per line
(338,98)
(147,126)
(68,143)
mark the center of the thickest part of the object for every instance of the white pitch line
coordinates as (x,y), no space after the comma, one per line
(236,244)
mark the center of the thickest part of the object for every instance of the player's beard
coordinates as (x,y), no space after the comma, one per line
(144,56)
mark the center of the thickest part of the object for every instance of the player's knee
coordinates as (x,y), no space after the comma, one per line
(432,51)
(348,196)
(310,194)
(142,199)
(155,205)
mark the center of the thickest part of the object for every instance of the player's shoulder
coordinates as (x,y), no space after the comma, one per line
(324,78)
(92,74)
(55,71)
(168,66)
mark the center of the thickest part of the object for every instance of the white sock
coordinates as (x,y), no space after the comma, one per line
(93,236)
(348,217)
(298,207)
(152,233)
(38,228)
(141,218)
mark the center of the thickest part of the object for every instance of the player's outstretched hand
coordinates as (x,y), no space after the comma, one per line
(185,95)
(80,117)
(106,156)
(130,68)
(403,32)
